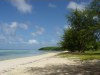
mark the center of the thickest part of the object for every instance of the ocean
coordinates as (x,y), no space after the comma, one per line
(12,54)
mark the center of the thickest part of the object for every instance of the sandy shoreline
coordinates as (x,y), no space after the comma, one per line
(40,65)
(8,65)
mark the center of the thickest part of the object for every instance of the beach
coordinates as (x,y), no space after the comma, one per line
(38,65)
(8,65)
(18,65)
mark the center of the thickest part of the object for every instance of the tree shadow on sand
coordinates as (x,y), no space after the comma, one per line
(84,69)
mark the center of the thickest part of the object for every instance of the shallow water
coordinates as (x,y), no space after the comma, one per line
(11,54)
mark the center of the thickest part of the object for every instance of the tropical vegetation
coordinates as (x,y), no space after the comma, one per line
(53,48)
(84,29)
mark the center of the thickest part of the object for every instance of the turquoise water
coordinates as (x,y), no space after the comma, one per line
(11,54)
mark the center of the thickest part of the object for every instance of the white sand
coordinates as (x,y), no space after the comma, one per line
(19,66)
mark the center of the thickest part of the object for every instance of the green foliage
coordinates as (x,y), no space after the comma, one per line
(94,7)
(88,55)
(84,30)
(98,45)
(69,40)
(50,48)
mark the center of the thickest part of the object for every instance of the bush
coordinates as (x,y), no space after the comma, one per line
(84,31)
(51,48)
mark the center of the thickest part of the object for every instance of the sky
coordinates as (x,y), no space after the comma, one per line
(31,24)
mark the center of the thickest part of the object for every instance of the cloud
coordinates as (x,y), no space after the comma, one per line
(39,31)
(52,5)
(13,25)
(8,32)
(10,28)
(33,41)
(22,6)
(73,5)
(10,36)
(23,26)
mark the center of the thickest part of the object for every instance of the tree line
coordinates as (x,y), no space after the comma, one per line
(83,32)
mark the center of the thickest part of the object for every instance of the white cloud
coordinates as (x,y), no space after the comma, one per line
(23,26)
(73,5)
(8,32)
(33,41)
(39,31)
(22,5)
(11,28)
(8,39)
(13,25)
(9,36)
(52,5)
